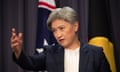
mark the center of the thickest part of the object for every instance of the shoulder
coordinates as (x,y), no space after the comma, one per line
(97,56)
(91,48)
(95,53)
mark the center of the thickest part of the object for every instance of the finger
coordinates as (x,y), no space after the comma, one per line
(13,30)
(20,35)
(13,33)
(14,45)
(14,40)
(20,38)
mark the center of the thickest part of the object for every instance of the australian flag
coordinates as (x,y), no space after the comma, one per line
(44,35)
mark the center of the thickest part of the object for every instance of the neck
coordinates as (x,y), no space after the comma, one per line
(74,45)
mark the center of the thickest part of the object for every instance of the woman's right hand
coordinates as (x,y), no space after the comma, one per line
(16,42)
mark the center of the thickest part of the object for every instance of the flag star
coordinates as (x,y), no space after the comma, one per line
(45,43)
(40,50)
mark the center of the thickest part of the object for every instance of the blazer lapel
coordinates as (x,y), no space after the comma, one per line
(59,58)
(83,58)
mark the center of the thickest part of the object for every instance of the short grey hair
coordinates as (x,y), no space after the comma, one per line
(66,13)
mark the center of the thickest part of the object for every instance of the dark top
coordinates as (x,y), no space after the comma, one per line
(92,59)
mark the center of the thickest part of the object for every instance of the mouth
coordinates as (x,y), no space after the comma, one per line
(61,40)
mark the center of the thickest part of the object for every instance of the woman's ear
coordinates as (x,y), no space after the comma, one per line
(76,26)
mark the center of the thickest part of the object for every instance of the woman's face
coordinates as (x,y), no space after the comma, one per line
(64,32)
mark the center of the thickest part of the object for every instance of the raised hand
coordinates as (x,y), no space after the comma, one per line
(16,42)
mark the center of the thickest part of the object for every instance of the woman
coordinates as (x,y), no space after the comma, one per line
(70,55)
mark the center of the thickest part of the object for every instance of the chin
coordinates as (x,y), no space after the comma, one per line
(64,46)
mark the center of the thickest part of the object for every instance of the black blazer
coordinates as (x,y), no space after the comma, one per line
(92,59)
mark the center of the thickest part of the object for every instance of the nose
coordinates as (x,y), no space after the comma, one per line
(58,34)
